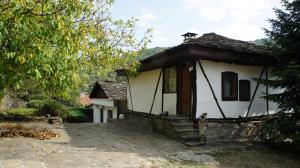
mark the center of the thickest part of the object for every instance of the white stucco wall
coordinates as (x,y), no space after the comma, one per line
(105,104)
(96,114)
(142,90)
(170,100)
(206,102)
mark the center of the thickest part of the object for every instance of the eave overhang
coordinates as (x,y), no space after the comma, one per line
(192,52)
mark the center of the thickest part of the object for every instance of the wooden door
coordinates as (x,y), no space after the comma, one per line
(184,91)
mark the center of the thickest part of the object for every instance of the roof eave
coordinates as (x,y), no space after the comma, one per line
(192,52)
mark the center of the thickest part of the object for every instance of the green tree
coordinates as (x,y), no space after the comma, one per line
(50,42)
(285,44)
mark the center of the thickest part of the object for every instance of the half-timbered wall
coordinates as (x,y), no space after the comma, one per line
(142,89)
(234,109)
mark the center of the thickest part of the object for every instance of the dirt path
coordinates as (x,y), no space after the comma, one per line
(128,144)
(117,144)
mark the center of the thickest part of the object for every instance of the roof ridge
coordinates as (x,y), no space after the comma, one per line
(215,34)
(218,41)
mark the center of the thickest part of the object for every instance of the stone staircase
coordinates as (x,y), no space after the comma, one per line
(185,131)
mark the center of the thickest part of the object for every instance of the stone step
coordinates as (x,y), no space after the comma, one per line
(186,130)
(193,143)
(181,124)
(190,138)
(178,118)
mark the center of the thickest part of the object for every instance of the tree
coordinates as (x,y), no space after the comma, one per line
(51,42)
(285,44)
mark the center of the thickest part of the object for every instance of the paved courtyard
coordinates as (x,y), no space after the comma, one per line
(124,143)
(119,143)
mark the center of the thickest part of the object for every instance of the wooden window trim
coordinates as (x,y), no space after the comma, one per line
(164,80)
(249,90)
(235,85)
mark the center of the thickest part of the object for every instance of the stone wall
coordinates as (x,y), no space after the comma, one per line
(216,131)
(138,116)
(233,131)
(162,125)
(10,102)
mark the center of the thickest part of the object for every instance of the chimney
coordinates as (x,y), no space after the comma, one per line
(189,36)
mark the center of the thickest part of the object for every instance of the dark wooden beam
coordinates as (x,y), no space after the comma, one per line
(162,90)
(267,90)
(131,101)
(158,81)
(194,91)
(193,52)
(230,57)
(256,87)
(211,89)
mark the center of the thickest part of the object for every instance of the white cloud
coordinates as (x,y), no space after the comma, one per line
(241,31)
(216,10)
(145,18)
(159,38)
(240,19)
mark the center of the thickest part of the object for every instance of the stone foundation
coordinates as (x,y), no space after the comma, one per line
(235,131)
(216,130)
(162,125)
(138,116)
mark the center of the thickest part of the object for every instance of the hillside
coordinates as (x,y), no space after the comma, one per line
(151,51)
(260,41)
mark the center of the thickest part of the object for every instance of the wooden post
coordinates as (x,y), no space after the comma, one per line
(158,81)
(130,92)
(211,89)
(162,90)
(267,90)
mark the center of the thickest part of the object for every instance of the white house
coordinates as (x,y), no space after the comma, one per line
(211,74)
(108,100)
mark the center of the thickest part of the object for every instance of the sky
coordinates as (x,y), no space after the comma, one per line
(169,19)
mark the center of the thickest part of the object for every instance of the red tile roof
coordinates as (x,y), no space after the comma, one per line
(85,100)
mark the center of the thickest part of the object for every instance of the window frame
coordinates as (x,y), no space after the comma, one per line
(249,90)
(165,80)
(235,87)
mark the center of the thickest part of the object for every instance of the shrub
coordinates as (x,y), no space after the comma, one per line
(52,107)
(37,97)
(18,113)
(88,112)
(282,131)
(36,103)
(74,115)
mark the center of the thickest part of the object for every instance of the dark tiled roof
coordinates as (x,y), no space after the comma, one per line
(213,40)
(114,90)
(212,47)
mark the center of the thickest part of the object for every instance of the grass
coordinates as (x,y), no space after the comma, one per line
(257,158)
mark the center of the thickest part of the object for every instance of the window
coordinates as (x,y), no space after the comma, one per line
(244,90)
(229,86)
(170,80)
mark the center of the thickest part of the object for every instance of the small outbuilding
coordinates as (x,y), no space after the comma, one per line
(109,100)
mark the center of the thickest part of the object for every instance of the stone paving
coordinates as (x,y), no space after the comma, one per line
(119,143)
